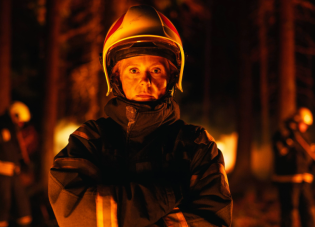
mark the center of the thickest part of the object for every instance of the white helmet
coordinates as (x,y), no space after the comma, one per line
(304,115)
(142,31)
(20,112)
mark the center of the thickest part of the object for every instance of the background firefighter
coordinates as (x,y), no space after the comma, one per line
(142,165)
(294,156)
(12,150)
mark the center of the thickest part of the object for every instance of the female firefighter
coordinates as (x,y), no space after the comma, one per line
(141,166)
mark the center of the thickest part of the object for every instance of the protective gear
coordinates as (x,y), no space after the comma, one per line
(142,31)
(12,193)
(290,155)
(304,115)
(20,112)
(141,166)
(292,175)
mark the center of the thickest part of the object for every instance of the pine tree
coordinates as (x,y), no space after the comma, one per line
(5,54)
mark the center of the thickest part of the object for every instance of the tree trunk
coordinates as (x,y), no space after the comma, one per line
(263,172)
(51,87)
(264,94)
(94,66)
(287,89)
(242,170)
(5,54)
(206,90)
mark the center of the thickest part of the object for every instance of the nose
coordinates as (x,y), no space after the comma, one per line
(146,79)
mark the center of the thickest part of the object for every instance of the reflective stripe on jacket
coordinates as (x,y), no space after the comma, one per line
(295,178)
(7,168)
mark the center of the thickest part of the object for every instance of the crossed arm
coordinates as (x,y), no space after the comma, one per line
(80,197)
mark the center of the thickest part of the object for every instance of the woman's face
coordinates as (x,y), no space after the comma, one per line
(144,78)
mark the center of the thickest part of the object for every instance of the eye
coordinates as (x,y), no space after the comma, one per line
(156,70)
(133,70)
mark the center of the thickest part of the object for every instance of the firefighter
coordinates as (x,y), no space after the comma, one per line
(141,166)
(294,156)
(12,194)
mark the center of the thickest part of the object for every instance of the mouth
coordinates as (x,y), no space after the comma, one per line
(145,97)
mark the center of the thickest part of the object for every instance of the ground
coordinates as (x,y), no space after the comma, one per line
(257,208)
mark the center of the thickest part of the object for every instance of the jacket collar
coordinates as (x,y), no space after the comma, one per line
(140,119)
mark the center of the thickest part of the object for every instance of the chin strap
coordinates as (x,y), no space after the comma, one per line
(117,91)
(170,89)
(169,95)
(116,86)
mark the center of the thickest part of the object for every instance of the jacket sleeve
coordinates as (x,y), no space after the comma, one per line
(208,202)
(80,195)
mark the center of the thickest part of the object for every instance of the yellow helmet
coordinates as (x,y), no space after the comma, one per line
(304,115)
(20,112)
(142,31)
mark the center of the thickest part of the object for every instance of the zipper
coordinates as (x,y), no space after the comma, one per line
(131,114)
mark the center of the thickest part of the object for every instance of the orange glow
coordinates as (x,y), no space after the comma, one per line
(228,145)
(62,132)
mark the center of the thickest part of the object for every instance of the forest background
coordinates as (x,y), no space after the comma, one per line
(249,65)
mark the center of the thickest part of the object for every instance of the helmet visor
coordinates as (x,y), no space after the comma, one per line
(130,49)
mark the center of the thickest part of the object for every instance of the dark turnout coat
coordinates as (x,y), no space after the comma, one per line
(141,166)
(290,155)
(9,149)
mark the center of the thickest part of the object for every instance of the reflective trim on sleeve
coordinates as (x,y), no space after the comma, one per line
(175,219)
(6,135)
(296,178)
(106,208)
(87,132)
(193,180)
(81,134)
(24,220)
(7,168)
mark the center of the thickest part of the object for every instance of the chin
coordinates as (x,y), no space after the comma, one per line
(145,100)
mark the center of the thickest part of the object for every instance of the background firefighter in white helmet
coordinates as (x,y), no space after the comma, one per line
(12,150)
(142,165)
(294,156)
